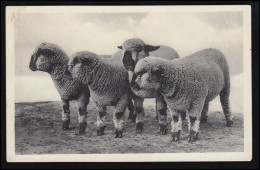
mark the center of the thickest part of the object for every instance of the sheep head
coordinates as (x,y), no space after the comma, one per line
(81,64)
(149,73)
(45,56)
(133,51)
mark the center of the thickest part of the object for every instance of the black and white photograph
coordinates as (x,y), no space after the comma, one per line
(128,83)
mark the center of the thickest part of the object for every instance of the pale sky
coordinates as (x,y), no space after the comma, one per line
(102,33)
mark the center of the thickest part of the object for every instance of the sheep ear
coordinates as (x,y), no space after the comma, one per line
(150,48)
(120,47)
(158,72)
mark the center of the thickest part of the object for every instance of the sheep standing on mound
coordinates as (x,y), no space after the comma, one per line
(108,86)
(189,83)
(51,59)
(132,51)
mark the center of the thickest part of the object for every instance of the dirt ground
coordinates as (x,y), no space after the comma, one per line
(38,130)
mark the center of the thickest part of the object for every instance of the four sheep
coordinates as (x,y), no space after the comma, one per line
(108,84)
(188,84)
(132,51)
(52,59)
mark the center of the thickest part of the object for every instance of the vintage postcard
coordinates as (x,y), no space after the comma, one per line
(128,83)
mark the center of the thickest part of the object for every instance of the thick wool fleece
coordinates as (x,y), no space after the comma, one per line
(50,58)
(56,63)
(188,84)
(183,81)
(107,82)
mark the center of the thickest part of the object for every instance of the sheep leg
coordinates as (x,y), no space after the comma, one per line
(65,114)
(161,114)
(176,124)
(131,109)
(183,115)
(82,114)
(101,120)
(204,117)
(194,115)
(118,116)
(138,103)
(224,99)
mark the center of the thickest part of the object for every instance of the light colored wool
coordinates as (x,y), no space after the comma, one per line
(52,59)
(188,83)
(134,50)
(108,84)
(176,126)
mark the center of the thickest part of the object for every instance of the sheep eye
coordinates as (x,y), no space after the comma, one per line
(140,74)
(75,61)
(138,49)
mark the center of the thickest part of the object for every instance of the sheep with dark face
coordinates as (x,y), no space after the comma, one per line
(52,59)
(108,84)
(134,50)
(189,83)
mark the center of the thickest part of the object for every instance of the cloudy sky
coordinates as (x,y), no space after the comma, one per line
(101,33)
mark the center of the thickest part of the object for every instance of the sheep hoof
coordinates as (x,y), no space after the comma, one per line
(230,123)
(176,136)
(163,129)
(204,119)
(66,125)
(139,127)
(101,130)
(193,136)
(82,127)
(119,133)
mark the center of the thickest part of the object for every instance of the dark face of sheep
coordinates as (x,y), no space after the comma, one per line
(81,64)
(133,51)
(43,57)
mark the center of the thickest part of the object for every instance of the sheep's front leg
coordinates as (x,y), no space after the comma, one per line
(65,114)
(101,120)
(138,103)
(118,116)
(82,113)
(194,116)
(161,114)
(176,125)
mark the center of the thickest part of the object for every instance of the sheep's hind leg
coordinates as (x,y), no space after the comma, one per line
(131,109)
(194,115)
(118,116)
(161,114)
(65,114)
(138,102)
(82,114)
(101,120)
(204,117)
(224,99)
(176,124)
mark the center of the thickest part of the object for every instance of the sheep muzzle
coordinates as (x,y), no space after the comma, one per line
(32,65)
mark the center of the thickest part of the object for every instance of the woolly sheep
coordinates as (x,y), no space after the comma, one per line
(108,86)
(189,83)
(132,51)
(50,58)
